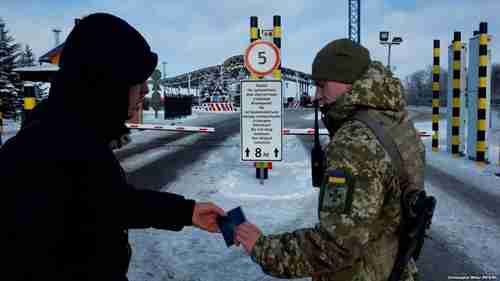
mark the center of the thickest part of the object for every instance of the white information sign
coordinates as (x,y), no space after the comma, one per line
(261,120)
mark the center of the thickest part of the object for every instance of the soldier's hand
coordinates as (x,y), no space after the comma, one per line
(247,234)
(205,216)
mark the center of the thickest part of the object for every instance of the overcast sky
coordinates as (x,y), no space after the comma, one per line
(193,34)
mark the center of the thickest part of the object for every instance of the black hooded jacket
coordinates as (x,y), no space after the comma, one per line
(67,202)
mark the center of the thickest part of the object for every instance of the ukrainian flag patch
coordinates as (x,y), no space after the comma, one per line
(336,192)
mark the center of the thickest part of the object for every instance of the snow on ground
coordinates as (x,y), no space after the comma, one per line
(467,230)
(285,202)
(463,169)
(10,128)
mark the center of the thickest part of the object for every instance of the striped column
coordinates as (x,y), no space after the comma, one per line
(481,145)
(455,127)
(277,42)
(29,100)
(436,71)
(254,35)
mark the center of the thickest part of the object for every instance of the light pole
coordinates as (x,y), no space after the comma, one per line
(164,76)
(384,40)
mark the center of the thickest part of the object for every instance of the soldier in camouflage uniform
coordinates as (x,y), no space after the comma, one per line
(360,198)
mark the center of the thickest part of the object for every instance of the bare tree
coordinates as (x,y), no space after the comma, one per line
(418,86)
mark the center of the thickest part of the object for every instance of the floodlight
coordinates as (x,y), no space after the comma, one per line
(384,36)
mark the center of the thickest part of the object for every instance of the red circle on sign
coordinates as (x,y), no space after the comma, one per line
(253,70)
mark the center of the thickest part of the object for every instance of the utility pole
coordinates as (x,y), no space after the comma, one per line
(384,40)
(164,76)
(164,71)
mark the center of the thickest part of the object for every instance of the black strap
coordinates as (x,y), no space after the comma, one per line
(374,122)
(371,120)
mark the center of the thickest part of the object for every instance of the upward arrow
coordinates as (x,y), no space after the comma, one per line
(276,151)
(247,151)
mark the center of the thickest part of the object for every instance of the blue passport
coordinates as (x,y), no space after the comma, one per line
(228,223)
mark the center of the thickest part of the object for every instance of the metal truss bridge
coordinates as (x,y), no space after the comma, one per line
(230,72)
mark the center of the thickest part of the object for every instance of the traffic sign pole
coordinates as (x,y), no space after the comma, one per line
(262,59)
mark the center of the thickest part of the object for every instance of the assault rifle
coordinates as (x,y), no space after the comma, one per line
(413,233)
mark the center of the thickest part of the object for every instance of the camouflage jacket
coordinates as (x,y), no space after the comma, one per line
(359,213)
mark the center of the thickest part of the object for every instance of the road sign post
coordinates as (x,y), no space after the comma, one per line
(262,59)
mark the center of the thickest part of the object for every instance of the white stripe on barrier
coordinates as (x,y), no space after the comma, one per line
(170,128)
(310,131)
(285,131)
(216,107)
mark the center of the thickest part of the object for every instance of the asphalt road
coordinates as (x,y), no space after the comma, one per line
(439,260)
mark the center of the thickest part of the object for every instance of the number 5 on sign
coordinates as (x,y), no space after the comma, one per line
(262,55)
(262,58)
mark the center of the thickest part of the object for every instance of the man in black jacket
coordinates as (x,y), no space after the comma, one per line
(68,204)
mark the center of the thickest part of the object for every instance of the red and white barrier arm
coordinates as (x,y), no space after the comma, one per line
(170,128)
(310,131)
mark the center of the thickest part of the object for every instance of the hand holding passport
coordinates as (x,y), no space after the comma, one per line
(227,224)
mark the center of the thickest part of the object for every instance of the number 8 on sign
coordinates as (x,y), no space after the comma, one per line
(262,58)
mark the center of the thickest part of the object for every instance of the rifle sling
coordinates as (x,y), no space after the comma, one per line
(371,120)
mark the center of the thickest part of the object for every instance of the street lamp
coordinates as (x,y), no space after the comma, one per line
(164,76)
(384,40)
(164,72)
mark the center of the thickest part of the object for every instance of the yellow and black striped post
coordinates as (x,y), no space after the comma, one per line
(436,72)
(481,145)
(29,100)
(254,35)
(277,42)
(457,68)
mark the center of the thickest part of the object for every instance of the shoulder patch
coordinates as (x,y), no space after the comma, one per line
(336,192)
(336,176)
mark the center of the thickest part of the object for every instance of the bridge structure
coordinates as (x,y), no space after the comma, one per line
(223,79)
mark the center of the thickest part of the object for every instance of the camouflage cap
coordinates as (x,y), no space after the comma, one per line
(341,60)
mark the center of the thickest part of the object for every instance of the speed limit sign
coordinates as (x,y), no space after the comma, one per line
(262,58)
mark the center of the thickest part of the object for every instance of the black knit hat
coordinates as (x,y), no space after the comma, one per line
(101,58)
(341,60)
(108,47)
